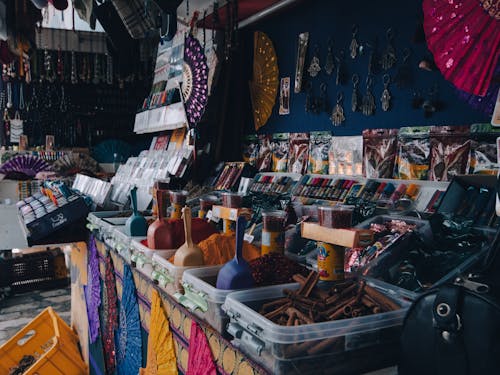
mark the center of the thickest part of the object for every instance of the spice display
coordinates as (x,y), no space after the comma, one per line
(339,216)
(414,149)
(386,235)
(330,262)
(483,156)
(379,152)
(280,148)
(232,200)
(273,232)
(310,304)
(178,200)
(251,149)
(345,156)
(24,364)
(274,269)
(265,156)
(298,156)
(324,188)
(219,249)
(450,147)
(319,146)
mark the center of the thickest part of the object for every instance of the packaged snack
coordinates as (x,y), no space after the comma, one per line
(483,156)
(265,158)
(251,149)
(379,152)
(298,156)
(345,156)
(319,146)
(450,148)
(280,148)
(413,157)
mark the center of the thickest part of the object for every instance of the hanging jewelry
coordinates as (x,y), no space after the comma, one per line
(322,102)
(12,70)
(368,105)
(353,48)
(386,95)
(204,30)
(373,59)
(389,55)
(49,72)
(63,105)
(97,68)
(329,64)
(2,100)
(109,70)
(314,67)
(337,116)
(355,93)
(9,95)
(404,76)
(21,96)
(74,75)
(60,66)
(341,69)
(309,97)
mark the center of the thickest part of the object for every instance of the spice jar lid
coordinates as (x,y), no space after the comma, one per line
(274,214)
(209,199)
(179,192)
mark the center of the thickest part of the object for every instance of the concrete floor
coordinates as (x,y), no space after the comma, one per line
(18,310)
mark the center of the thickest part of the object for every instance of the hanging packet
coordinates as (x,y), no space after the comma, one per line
(379,152)
(413,156)
(450,148)
(299,153)
(265,158)
(319,146)
(251,149)
(483,155)
(280,148)
(345,156)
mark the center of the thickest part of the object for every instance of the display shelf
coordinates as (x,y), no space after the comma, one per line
(159,119)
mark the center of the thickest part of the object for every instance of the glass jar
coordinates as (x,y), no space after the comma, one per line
(232,200)
(273,232)
(339,216)
(206,204)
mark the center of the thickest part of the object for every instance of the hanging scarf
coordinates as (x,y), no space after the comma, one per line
(109,315)
(128,338)
(161,351)
(200,356)
(93,291)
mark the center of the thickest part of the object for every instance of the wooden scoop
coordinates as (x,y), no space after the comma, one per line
(161,232)
(188,255)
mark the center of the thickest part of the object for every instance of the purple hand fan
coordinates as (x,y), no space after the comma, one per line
(23,167)
(93,291)
(128,338)
(109,315)
(195,80)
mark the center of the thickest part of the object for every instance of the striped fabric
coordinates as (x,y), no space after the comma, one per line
(138,20)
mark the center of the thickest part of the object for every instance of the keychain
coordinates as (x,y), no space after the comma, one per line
(341,69)
(355,93)
(314,67)
(329,64)
(386,95)
(337,116)
(309,97)
(322,102)
(353,48)
(368,106)
(389,55)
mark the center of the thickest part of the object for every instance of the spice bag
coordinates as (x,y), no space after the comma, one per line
(483,155)
(413,157)
(450,148)
(265,158)
(251,149)
(280,148)
(298,156)
(379,152)
(345,156)
(319,145)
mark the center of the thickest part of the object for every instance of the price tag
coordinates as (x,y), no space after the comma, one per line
(249,238)
(211,217)
(233,214)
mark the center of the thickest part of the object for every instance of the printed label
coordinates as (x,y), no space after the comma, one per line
(273,242)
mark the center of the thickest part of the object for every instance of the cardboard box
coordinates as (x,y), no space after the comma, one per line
(341,237)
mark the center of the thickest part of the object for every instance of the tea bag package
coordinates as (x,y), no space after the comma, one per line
(251,149)
(379,152)
(319,145)
(265,158)
(450,148)
(280,148)
(483,155)
(299,153)
(413,156)
(345,156)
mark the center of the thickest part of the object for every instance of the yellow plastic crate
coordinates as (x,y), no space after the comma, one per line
(53,344)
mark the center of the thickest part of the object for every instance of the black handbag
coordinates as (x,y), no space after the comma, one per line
(454,329)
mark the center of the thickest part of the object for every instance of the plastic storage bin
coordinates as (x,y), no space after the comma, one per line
(353,345)
(53,344)
(141,254)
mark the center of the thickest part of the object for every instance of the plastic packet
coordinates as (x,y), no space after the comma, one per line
(265,158)
(345,156)
(298,156)
(319,146)
(379,152)
(483,156)
(450,148)
(251,149)
(280,148)
(413,157)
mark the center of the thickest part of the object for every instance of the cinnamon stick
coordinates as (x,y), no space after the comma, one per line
(300,315)
(386,302)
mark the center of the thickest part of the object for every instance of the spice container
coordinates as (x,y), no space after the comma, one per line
(206,204)
(356,345)
(178,200)
(330,261)
(232,200)
(273,232)
(339,216)
(160,188)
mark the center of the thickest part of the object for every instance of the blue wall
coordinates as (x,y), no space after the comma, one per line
(329,18)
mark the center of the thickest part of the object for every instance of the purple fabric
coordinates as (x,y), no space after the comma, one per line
(93,291)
